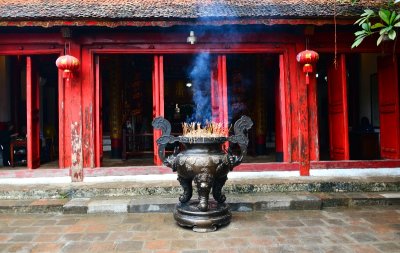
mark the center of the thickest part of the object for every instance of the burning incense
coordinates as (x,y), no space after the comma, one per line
(211,129)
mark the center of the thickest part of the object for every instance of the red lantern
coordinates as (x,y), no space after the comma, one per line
(67,64)
(307,57)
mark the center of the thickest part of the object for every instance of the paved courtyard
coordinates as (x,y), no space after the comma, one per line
(362,230)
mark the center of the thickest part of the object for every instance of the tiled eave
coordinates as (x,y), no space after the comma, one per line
(170,23)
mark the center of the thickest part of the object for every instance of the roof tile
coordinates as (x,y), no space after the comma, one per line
(172,9)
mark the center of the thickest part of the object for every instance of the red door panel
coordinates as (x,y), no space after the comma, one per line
(32,113)
(219,97)
(99,114)
(389,107)
(338,120)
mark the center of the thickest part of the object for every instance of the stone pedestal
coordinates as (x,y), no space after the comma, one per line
(188,215)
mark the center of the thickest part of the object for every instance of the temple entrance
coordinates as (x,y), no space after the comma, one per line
(199,87)
(194,92)
(29,107)
(253,90)
(358,105)
(126,109)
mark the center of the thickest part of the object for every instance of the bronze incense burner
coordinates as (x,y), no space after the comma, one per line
(204,161)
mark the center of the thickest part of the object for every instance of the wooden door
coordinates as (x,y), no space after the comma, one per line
(99,113)
(32,114)
(388,87)
(337,110)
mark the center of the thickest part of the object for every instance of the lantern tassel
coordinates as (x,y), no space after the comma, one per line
(67,74)
(307,79)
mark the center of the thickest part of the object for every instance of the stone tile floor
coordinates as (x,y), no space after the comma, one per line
(359,230)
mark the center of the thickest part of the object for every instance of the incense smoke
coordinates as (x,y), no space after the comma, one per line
(199,73)
(200,70)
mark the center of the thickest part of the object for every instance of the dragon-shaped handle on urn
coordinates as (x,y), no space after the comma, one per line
(240,137)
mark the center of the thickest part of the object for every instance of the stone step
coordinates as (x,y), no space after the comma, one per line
(238,203)
(170,187)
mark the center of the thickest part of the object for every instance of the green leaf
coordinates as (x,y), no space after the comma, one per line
(377,25)
(392,17)
(380,39)
(397,24)
(368,12)
(366,26)
(385,30)
(357,42)
(385,16)
(397,17)
(392,34)
(358,33)
(361,21)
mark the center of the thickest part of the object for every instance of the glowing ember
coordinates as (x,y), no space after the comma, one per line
(212,129)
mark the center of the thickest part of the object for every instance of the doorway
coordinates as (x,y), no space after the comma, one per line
(200,87)
(358,101)
(29,90)
(125,81)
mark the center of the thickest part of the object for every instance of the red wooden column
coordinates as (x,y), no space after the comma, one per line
(158,100)
(98,112)
(223,88)
(32,114)
(61,122)
(284,100)
(302,120)
(73,156)
(219,91)
(222,91)
(294,118)
(89,109)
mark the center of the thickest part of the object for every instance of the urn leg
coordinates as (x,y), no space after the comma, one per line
(187,189)
(217,189)
(203,183)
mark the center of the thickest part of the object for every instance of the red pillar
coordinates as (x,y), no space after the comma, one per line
(158,100)
(303,119)
(98,113)
(284,105)
(73,157)
(89,109)
(223,89)
(61,122)
(32,114)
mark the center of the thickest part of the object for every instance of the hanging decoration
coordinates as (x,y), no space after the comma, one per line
(68,64)
(307,57)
